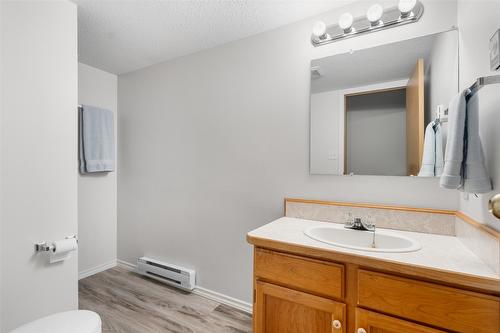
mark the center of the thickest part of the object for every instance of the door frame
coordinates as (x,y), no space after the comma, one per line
(346,106)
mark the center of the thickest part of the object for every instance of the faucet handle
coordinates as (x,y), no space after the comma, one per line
(348,219)
(370,220)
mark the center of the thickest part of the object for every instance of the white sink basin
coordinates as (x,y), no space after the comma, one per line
(362,240)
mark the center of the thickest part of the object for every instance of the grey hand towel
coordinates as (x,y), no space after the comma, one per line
(476,178)
(452,176)
(97,147)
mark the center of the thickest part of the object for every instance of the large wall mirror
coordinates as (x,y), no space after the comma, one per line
(370,107)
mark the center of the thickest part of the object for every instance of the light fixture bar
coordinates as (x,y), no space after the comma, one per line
(391,17)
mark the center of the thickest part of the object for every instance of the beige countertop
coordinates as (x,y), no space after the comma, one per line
(445,253)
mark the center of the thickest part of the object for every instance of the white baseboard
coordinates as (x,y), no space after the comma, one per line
(223,299)
(96,269)
(207,293)
(126,265)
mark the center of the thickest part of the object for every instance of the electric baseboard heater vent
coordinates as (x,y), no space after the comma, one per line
(170,274)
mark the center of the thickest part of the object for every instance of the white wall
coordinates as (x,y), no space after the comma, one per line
(39,156)
(442,73)
(97,192)
(325,131)
(211,143)
(442,76)
(477,24)
(1,163)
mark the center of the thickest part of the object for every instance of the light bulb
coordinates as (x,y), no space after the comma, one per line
(345,22)
(406,6)
(374,14)
(319,29)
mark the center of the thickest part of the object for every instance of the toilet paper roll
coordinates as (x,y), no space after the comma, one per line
(62,249)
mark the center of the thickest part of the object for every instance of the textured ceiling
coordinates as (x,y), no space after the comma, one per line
(119,36)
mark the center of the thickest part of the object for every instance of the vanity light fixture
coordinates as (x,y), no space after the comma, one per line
(406,7)
(376,18)
(374,14)
(319,30)
(345,22)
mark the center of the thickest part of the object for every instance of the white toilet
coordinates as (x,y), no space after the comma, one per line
(80,321)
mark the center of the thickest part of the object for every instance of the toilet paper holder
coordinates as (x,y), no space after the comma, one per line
(49,246)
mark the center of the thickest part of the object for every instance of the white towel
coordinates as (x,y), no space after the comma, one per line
(476,179)
(452,176)
(429,156)
(432,159)
(97,147)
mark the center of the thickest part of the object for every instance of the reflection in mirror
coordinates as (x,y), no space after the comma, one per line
(370,108)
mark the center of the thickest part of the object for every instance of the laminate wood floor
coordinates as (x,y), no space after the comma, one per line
(130,303)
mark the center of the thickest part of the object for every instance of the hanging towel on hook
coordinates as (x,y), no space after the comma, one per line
(452,176)
(97,147)
(464,167)
(432,160)
(476,178)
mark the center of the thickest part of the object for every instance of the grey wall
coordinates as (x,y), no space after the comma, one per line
(376,132)
(97,192)
(39,150)
(477,24)
(211,143)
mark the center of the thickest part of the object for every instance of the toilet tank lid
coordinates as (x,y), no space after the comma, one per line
(79,321)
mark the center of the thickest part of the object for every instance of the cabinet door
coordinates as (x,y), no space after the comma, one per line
(372,322)
(283,310)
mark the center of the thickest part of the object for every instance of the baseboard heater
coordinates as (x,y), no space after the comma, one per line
(173,275)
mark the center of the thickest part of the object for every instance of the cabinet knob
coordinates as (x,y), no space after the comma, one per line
(337,324)
(361,330)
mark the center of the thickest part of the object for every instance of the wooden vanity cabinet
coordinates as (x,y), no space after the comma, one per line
(309,275)
(455,309)
(298,294)
(373,322)
(280,309)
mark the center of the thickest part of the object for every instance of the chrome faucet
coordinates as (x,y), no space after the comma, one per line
(358,224)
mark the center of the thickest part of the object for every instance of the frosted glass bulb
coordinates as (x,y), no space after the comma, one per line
(374,13)
(345,22)
(406,6)
(319,29)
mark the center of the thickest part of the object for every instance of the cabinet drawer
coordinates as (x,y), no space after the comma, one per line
(315,276)
(375,322)
(445,307)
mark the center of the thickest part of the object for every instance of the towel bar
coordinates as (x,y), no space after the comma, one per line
(481,82)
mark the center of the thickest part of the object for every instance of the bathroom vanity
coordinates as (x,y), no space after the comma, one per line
(303,285)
